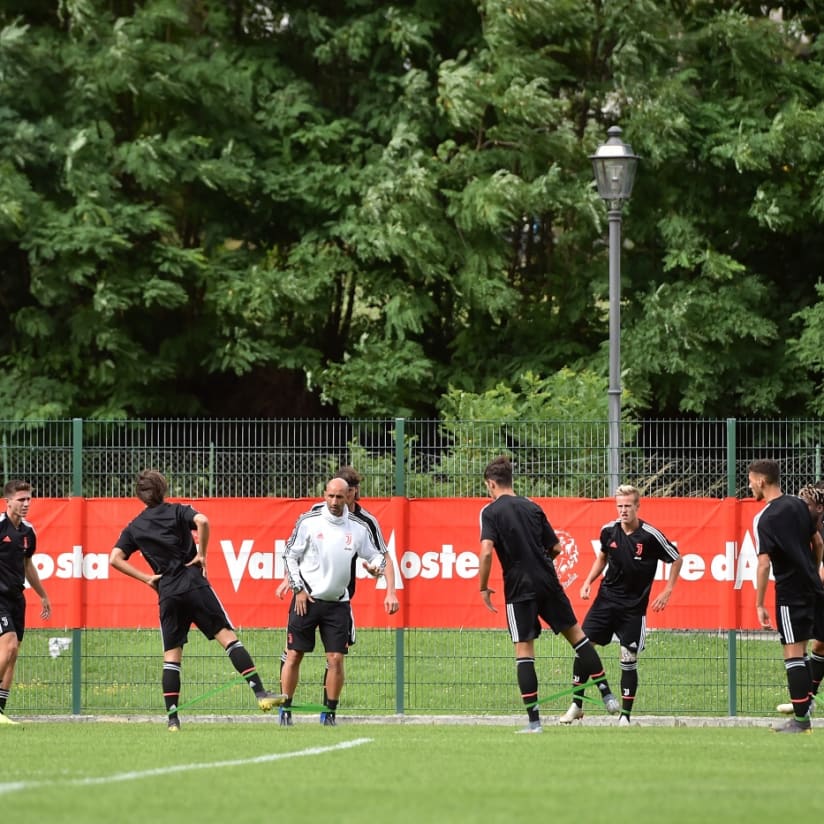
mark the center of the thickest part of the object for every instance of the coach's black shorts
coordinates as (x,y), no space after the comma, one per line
(332,618)
(606,618)
(800,622)
(522,616)
(13,616)
(200,607)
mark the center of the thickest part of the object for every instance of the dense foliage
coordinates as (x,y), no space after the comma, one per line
(320,207)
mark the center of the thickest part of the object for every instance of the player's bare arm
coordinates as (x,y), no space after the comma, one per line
(118,561)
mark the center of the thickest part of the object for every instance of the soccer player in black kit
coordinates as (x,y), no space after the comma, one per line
(632,549)
(787,540)
(813,496)
(18,543)
(518,532)
(163,534)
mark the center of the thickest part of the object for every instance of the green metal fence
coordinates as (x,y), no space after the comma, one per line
(412,671)
(116,672)
(418,458)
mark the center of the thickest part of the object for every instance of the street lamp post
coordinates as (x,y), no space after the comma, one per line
(614,165)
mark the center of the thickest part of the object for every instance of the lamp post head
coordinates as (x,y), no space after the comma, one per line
(614,165)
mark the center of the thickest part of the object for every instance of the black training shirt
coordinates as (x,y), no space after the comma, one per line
(633,560)
(784,530)
(15,546)
(163,534)
(522,536)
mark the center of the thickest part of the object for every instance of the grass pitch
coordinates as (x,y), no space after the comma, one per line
(252,772)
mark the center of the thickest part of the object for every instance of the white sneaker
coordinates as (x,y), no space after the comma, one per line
(623,721)
(532,727)
(574,713)
(612,704)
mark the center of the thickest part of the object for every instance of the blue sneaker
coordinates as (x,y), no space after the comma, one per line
(285,716)
(327,719)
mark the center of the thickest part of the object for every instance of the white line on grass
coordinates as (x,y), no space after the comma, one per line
(14,786)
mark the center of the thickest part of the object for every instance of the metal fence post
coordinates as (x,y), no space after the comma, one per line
(77,456)
(211,469)
(400,489)
(732,659)
(399,673)
(732,473)
(732,632)
(77,632)
(400,438)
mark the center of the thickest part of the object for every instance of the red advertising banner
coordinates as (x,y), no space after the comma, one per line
(432,542)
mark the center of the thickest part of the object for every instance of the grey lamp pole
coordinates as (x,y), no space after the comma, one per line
(614,165)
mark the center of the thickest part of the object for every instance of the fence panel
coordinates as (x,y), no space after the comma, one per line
(443,670)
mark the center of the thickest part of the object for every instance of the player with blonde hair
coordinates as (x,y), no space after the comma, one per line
(630,551)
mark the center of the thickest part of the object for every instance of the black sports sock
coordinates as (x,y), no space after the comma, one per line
(528,683)
(171,687)
(629,686)
(816,666)
(592,666)
(799,684)
(579,676)
(243,663)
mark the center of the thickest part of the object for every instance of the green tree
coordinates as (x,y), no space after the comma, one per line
(722,239)
(234,208)
(181,190)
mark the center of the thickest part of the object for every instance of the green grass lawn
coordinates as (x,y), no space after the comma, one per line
(256,772)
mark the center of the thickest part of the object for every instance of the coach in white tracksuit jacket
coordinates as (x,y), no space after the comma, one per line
(318,560)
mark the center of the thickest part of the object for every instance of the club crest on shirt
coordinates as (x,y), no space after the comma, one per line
(639,550)
(566,562)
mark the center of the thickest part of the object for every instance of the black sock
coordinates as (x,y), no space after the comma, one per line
(242,662)
(591,664)
(799,684)
(629,686)
(325,700)
(528,683)
(816,664)
(332,703)
(171,687)
(579,676)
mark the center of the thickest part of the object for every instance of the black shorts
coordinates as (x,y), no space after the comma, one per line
(522,616)
(606,618)
(200,607)
(13,616)
(332,618)
(800,622)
